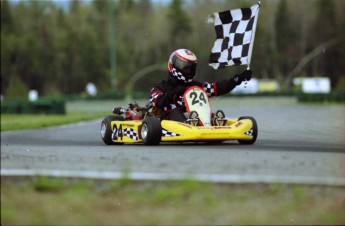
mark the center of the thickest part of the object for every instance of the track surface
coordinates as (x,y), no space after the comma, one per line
(296,144)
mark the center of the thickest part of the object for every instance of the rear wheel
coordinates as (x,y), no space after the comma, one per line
(253,131)
(106,130)
(151,131)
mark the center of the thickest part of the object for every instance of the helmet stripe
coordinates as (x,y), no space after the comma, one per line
(186,59)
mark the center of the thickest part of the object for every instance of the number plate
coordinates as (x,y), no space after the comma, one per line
(196,99)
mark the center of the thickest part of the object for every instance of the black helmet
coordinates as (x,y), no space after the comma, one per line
(182,65)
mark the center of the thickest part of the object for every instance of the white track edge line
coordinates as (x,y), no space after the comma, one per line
(141,176)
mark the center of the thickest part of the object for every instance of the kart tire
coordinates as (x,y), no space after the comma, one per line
(106,130)
(255,131)
(151,131)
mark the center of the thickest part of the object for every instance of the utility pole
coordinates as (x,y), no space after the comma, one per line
(112,50)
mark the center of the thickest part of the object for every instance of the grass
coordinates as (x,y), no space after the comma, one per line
(58,201)
(24,121)
(75,112)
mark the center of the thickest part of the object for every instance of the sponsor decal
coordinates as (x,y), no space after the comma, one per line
(238,124)
(166,133)
(185,125)
(249,132)
(127,125)
(213,127)
(222,127)
(119,132)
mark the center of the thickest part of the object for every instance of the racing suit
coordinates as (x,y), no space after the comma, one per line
(168,94)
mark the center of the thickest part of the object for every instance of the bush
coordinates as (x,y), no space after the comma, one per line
(43,106)
(336,96)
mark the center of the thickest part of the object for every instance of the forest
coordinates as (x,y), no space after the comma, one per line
(59,50)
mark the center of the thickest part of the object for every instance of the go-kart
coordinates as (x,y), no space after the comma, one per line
(146,125)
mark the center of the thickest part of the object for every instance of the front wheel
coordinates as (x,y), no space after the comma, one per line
(106,130)
(253,131)
(151,131)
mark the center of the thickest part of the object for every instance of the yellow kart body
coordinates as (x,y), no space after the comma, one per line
(151,130)
(244,130)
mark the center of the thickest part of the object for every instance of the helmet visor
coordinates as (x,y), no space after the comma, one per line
(188,68)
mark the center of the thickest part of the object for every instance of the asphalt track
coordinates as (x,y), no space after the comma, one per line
(301,144)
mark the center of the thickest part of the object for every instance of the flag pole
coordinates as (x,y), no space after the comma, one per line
(253,36)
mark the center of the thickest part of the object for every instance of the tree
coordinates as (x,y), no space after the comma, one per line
(58,50)
(180,24)
(286,49)
(324,30)
(7,36)
(6,17)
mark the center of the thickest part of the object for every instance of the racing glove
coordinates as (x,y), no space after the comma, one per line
(227,85)
(244,76)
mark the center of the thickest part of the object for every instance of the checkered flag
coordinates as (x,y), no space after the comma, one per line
(235,31)
(166,133)
(131,133)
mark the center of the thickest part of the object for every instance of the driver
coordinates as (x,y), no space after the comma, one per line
(167,96)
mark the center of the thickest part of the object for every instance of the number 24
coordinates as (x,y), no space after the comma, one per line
(197,99)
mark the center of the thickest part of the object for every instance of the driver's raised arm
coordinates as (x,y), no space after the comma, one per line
(225,86)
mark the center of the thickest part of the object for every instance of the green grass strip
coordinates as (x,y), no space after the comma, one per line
(27,121)
(43,201)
